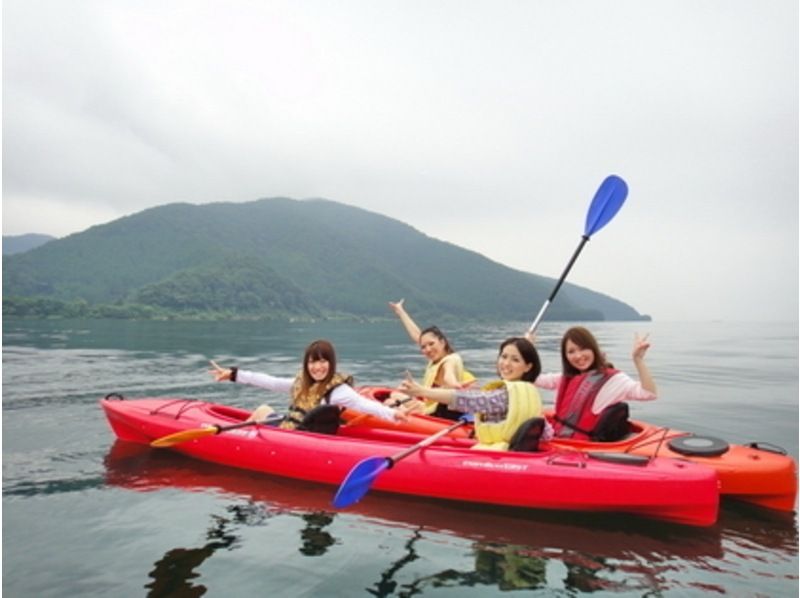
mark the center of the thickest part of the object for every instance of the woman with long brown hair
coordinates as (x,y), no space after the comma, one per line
(589,384)
(316,384)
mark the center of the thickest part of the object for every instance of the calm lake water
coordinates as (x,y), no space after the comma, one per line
(85,515)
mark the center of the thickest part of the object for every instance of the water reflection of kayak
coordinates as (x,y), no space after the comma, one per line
(559,480)
(758,473)
(138,468)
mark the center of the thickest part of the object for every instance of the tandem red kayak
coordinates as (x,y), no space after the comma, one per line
(666,489)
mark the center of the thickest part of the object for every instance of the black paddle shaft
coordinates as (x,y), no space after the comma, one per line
(420,445)
(561,280)
(574,257)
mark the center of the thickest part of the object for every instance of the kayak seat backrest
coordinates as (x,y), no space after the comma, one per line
(613,424)
(322,419)
(381,394)
(229,412)
(526,438)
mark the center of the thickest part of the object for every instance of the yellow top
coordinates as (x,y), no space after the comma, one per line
(524,403)
(432,371)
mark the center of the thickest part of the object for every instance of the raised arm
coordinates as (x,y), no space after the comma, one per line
(409,324)
(640,347)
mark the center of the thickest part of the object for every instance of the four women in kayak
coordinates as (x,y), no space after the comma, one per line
(587,388)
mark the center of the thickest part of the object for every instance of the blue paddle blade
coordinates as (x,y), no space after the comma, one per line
(606,203)
(358,481)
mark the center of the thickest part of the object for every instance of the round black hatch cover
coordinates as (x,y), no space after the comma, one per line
(700,446)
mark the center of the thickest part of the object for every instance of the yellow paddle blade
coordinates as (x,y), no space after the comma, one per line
(178,437)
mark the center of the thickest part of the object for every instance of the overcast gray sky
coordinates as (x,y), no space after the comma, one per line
(488,124)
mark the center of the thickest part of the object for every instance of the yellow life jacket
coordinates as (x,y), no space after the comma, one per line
(432,371)
(524,403)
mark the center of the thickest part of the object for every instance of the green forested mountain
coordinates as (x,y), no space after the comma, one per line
(277,258)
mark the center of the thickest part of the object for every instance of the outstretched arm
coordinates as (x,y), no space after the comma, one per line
(220,374)
(640,347)
(410,386)
(346,396)
(410,325)
(266,381)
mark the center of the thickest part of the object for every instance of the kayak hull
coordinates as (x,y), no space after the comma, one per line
(747,473)
(670,490)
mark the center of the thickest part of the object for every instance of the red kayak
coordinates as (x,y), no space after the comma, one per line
(757,474)
(665,489)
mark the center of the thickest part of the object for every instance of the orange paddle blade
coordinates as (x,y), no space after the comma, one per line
(186,435)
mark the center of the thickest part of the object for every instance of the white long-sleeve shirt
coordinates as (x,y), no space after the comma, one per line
(343,395)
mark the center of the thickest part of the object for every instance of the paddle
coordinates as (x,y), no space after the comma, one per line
(606,203)
(194,433)
(360,478)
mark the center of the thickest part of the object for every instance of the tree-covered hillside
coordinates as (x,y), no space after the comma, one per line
(277,258)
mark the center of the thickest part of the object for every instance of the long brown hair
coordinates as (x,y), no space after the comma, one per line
(585,340)
(319,349)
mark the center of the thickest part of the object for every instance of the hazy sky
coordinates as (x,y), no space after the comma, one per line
(488,124)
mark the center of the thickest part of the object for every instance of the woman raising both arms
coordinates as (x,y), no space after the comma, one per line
(317,384)
(501,407)
(445,368)
(588,384)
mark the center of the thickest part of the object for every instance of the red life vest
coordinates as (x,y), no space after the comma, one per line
(574,417)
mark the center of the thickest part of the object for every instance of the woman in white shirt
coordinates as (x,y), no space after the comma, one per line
(317,383)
